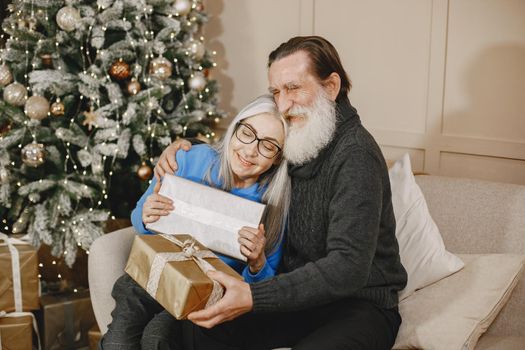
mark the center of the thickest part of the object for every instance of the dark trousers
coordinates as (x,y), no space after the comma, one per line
(140,322)
(346,324)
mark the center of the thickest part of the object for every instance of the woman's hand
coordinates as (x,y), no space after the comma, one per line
(155,206)
(252,242)
(167,163)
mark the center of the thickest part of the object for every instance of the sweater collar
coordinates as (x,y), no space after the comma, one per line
(347,118)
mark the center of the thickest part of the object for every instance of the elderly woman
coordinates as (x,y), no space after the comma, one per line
(248,163)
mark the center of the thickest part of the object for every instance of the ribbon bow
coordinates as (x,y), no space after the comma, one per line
(189,252)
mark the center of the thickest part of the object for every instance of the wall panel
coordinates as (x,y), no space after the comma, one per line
(443,80)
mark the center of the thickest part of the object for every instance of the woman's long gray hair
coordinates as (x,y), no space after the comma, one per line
(275,180)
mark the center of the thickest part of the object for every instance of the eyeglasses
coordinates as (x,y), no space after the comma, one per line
(266,148)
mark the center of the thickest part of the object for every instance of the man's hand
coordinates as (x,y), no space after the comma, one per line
(236,301)
(167,163)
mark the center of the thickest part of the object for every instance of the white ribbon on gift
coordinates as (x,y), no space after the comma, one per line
(208,217)
(15,266)
(19,314)
(189,252)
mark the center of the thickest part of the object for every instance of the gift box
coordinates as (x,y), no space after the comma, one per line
(211,216)
(16,333)
(172,269)
(18,275)
(94,336)
(64,320)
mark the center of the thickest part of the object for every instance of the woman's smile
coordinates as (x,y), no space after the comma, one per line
(244,162)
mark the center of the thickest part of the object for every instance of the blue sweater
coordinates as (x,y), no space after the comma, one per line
(193,165)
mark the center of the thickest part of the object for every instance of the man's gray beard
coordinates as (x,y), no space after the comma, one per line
(303,143)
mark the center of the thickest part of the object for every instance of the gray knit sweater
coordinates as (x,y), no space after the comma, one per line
(341,235)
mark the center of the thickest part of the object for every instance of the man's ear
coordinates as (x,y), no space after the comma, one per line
(332,85)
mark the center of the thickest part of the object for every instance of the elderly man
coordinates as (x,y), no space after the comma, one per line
(341,270)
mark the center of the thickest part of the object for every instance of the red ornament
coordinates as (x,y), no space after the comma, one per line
(206,72)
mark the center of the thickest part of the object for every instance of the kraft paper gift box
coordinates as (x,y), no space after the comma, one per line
(212,216)
(16,333)
(13,252)
(65,320)
(172,269)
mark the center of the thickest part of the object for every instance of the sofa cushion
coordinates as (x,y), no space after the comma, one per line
(454,312)
(421,247)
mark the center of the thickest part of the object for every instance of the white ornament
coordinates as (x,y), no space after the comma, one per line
(15,94)
(197,82)
(5,75)
(37,107)
(160,68)
(183,7)
(67,18)
(196,49)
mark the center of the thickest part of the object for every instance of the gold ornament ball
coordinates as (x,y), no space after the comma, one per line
(33,154)
(5,75)
(197,82)
(57,109)
(120,70)
(160,68)
(183,7)
(134,87)
(144,173)
(15,94)
(67,18)
(37,107)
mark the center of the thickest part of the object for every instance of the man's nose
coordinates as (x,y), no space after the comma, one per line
(284,103)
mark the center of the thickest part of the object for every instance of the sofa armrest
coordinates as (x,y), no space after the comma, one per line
(107,258)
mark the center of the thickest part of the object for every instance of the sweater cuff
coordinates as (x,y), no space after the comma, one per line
(262,274)
(263,295)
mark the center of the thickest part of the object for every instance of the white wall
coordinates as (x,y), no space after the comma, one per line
(442,80)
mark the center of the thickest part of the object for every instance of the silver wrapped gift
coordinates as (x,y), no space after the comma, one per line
(212,216)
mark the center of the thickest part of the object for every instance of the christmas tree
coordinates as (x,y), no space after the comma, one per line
(91,92)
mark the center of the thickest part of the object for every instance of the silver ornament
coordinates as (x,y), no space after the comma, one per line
(37,107)
(33,154)
(67,18)
(197,82)
(5,75)
(15,94)
(196,49)
(160,68)
(182,7)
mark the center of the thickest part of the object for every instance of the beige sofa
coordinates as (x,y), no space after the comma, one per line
(474,217)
